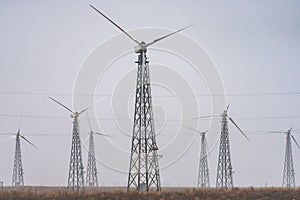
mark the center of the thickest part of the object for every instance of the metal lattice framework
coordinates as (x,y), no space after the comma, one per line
(143,167)
(203,173)
(18,179)
(91,174)
(224,173)
(288,171)
(76,179)
(143,170)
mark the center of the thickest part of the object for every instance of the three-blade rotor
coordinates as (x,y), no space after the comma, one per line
(18,134)
(91,130)
(288,132)
(67,108)
(201,132)
(225,114)
(141,44)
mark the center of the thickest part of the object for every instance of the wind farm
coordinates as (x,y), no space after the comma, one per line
(149,107)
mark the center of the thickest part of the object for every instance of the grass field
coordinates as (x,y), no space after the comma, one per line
(49,193)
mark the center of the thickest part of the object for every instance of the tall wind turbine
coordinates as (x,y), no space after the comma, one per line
(76,179)
(18,178)
(224,171)
(143,168)
(288,179)
(91,175)
(203,170)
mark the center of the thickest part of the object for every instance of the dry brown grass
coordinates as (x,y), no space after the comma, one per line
(50,193)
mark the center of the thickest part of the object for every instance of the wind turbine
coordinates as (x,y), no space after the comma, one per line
(224,171)
(18,172)
(288,179)
(76,179)
(203,170)
(143,167)
(91,176)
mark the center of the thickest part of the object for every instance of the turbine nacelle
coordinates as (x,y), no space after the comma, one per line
(224,114)
(142,46)
(74,115)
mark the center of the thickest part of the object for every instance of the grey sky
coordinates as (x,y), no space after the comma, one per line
(254,44)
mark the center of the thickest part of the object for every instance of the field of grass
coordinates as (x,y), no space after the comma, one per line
(49,193)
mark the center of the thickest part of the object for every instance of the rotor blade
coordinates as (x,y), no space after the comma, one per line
(207,116)
(295,141)
(28,141)
(90,106)
(83,111)
(20,123)
(8,138)
(161,38)
(61,104)
(7,133)
(196,130)
(228,107)
(275,131)
(115,25)
(238,128)
(89,121)
(102,134)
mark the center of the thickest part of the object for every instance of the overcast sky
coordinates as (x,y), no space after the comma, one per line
(255,46)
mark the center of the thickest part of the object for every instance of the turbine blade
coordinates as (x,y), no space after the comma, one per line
(161,38)
(115,25)
(196,130)
(83,110)
(89,121)
(102,134)
(61,104)
(238,128)
(90,106)
(20,123)
(206,116)
(28,141)
(8,138)
(273,131)
(3,133)
(228,107)
(295,141)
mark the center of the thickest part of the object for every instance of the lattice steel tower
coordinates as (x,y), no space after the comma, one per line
(203,173)
(143,170)
(18,179)
(143,167)
(91,173)
(224,171)
(288,171)
(76,179)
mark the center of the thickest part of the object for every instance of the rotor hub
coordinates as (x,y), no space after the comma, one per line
(141,47)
